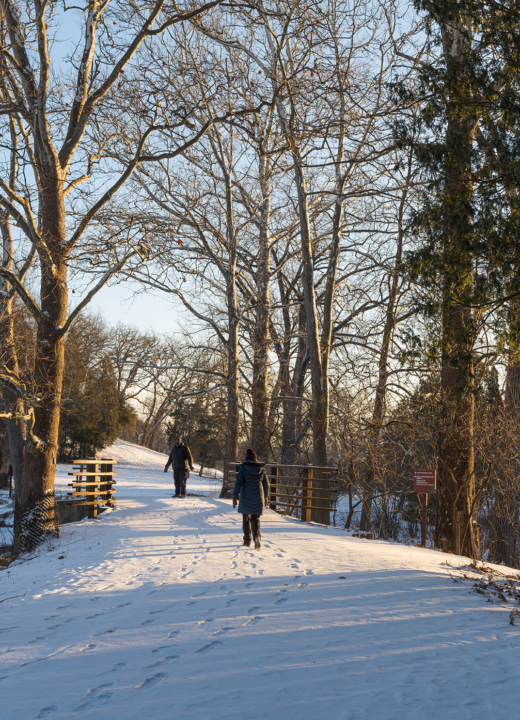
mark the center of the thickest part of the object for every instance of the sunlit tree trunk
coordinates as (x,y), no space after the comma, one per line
(457,529)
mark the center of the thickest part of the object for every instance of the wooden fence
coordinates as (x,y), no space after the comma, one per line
(93,484)
(308,492)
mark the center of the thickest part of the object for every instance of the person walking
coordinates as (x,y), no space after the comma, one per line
(180,458)
(251,492)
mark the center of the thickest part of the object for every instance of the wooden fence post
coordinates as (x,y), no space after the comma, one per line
(105,483)
(92,509)
(307,496)
(273,487)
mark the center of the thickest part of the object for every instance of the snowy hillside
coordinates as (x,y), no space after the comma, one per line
(142,470)
(155,610)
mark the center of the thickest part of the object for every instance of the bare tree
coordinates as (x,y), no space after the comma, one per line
(59,119)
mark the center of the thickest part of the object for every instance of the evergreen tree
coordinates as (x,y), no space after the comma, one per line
(461,256)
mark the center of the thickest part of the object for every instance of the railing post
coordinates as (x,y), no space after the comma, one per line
(91,509)
(307,496)
(303,506)
(105,483)
(225,491)
(273,487)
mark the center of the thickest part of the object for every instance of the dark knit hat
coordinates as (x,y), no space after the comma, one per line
(250,454)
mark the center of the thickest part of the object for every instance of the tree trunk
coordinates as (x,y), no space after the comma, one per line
(292,392)
(505,516)
(456,510)
(12,402)
(457,529)
(319,392)
(233,407)
(34,497)
(260,388)
(5,465)
(231,451)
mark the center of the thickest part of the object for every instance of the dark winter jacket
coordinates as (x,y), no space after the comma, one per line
(180,457)
(251,487)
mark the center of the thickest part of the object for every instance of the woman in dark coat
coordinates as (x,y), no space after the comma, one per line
(252,493)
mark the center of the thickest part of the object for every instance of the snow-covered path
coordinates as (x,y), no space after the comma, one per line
(156,611)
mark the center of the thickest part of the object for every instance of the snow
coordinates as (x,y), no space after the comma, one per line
(155,610)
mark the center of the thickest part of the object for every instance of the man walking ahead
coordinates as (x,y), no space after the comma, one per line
(180,458)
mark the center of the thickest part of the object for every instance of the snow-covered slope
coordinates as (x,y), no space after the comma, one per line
(155,611)
(128,454)
(142,470)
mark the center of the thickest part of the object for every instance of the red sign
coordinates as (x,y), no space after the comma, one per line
(424,481)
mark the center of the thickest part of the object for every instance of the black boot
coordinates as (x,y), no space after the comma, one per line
(258,544)
(247,542)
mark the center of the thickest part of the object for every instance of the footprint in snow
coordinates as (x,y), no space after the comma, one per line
(229,602)
(280,601)
(253,609)
(163,647)
(95,696)
(174,633)
(167,658)
(118,666)
(204,592)
(164,609)
(222,631)
(7,629)
(147,622)
(151,681)
(209,646)
(46,711)
(208,620)
(91,646)
(248,585)
(254,621)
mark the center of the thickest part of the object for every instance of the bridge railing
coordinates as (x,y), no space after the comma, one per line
(308,492)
